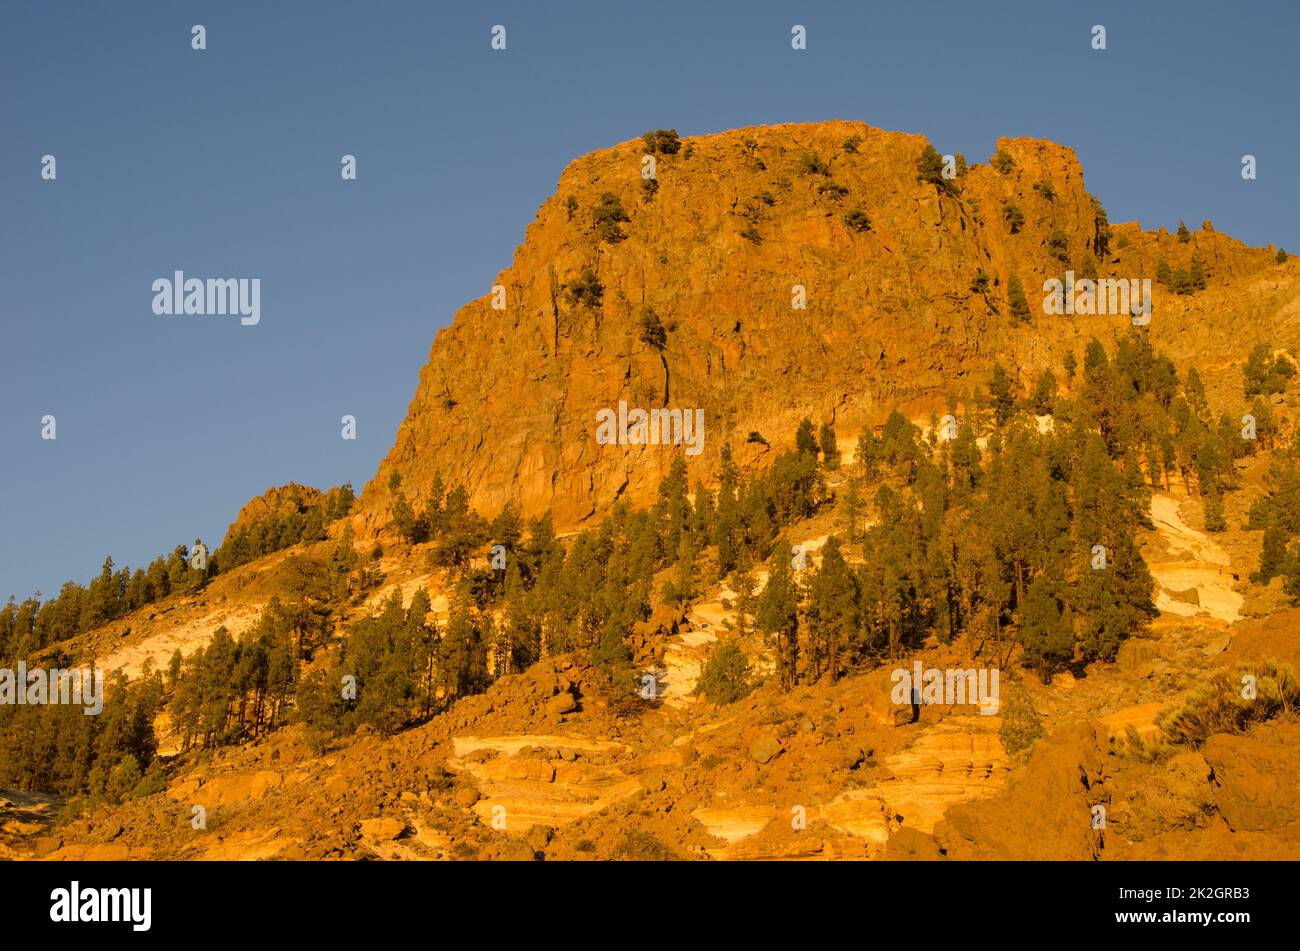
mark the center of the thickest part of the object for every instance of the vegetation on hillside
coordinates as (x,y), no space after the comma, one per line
(992,526)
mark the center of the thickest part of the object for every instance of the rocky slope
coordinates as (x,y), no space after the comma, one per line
(547,764)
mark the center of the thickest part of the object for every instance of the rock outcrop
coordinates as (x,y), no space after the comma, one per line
(741,224)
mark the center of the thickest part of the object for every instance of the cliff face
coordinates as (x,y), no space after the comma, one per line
(508,401)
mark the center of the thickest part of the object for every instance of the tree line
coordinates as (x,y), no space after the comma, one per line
(32,624)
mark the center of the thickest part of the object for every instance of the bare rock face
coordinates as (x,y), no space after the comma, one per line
(1256,778)
(740,227)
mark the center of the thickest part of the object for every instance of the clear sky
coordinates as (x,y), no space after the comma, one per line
(225,163)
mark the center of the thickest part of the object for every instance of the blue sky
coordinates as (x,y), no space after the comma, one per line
(225,163)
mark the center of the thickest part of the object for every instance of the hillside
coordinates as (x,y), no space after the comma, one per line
(546,744)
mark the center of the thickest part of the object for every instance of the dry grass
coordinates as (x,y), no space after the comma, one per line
(1224,704)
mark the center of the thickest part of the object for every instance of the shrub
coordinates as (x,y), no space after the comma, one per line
(652,329)
(1281,255)
(979,284)
(1021,725)
(1013,216)
(1017,301)
(834,189)
(1059,245)
(606,217)
(664,141)
(858,220)
(810,164)
(1101,223)
(851,144)
(929,167)
(1003,162)
(1046,190)
(751,234)
(585,290)
(123,779)
(649,186)
(1218,705)
(643,847)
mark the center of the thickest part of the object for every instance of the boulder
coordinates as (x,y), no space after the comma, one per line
(765,748)
(562,703)
(1256,778)
(382,828)
(1218,645)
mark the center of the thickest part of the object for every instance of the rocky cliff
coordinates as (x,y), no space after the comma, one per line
(894,315)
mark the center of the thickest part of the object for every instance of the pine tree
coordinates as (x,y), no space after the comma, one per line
(1255,373)
(778,612)
(867,454)
(852,510)
(1071,365)
(1045,629)
(1044,398)
(727,527)
(805,440)
(1002,394)
(725,677)
(434,513)
(674,506)
(833,613)
(402,519)
(462,655)
(830,449)
(1214,519)
(929,169)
